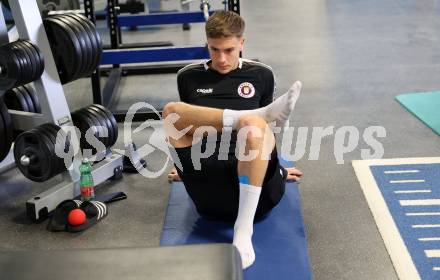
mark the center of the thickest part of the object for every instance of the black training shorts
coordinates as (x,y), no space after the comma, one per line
(215,190)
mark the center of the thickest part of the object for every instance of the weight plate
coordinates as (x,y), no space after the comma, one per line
(22,100)
(83,123)
(27,98)
(37,57)
(84,58)
(112,119)
(28,104)
(55,129)
(20,59)
(94,37)
(108,124)
(52,171)
(5,142)
(33,95)
(54,158)
(65,49)
(30,58)
(13,101)
(28,70)
(86,35)
(26,64)
(80,124)
(22,63)
(91,124)
(78,54)
(37,147)
(97,119)
(92,121)
(10,68)
(7,122)
(51,132)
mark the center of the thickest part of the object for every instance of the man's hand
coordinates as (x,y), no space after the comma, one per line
(173,176)
(293,174)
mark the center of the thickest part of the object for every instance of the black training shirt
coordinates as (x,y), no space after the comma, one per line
(250,86)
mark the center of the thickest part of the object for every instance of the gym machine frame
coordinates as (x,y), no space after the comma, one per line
(118,56)
(133,7)
(54,109)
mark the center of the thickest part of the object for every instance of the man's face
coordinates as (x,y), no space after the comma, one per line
(225,53)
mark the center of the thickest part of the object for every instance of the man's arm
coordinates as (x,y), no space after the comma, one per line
(173,176)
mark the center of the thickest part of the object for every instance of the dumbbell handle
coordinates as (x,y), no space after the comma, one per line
(25,160)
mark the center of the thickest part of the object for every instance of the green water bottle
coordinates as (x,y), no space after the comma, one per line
(87,187)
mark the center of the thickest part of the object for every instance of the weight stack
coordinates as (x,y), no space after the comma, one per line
(96,117)
(75,44)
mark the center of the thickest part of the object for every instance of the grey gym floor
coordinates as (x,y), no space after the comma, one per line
(353,58)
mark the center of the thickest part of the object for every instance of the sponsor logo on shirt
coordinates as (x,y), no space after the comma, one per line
(246,90)
(205,90)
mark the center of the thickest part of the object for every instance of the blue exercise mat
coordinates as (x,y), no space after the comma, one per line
(279,240)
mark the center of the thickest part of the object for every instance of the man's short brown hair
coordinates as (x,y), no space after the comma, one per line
(224,24)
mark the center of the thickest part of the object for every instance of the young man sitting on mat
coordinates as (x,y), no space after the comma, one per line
(230,93)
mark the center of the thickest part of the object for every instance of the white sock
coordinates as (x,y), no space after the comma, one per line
(279,110)
(244,225)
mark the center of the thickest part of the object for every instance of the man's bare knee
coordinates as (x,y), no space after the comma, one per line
(258,135)
(252,121)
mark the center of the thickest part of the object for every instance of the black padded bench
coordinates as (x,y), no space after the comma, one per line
(207,262)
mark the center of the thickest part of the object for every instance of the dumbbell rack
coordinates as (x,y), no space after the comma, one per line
(54,109)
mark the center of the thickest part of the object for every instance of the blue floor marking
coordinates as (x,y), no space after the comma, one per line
(431,174)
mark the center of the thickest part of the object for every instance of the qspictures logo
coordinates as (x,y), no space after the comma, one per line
(346,139)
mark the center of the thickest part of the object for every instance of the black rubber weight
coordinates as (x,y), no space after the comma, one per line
(11,66)
(4,141)
(33,94)
(108,124)
(65,49)
(50,151)
(22,99)
(90,39)
(83,123)
(78,55)
(27,98)
(51,132)
(21,63)
(84,58)
(95,38)
(30,58)
(14,100)
(40,144)
(7,121)
(88,44)
(97,119)
(37,56)
(112,119)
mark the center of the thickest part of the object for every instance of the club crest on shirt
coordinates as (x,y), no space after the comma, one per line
(246,90)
